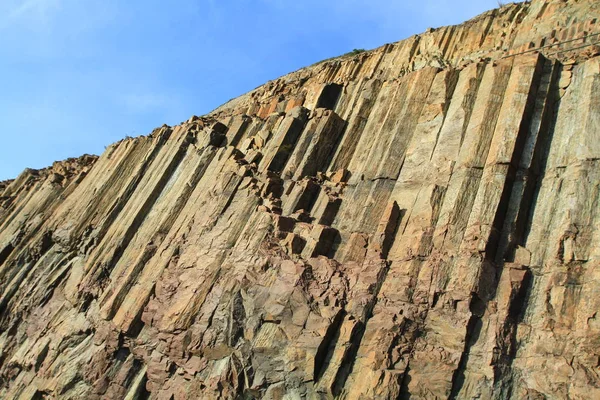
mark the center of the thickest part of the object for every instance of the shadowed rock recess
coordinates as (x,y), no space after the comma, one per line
(418,221)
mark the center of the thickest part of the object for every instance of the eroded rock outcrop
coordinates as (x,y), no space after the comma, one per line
(420,220)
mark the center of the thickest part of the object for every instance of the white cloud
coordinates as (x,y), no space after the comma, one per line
(143,102)
(34,11)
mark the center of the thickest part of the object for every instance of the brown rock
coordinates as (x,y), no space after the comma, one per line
(419,220)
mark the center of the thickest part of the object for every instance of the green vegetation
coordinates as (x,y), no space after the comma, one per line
(354,52)
(348,54)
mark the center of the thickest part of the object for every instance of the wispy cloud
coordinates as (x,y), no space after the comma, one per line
(143,102)
(28,10)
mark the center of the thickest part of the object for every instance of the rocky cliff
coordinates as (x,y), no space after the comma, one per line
(421,220)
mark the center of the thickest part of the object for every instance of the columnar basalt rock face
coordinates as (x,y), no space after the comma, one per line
(417,221)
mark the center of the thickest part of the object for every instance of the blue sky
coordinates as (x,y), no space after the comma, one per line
(77,75)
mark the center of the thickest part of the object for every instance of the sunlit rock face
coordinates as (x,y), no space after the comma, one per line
(418,221)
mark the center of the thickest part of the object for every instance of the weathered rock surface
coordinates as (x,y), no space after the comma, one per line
(421,220)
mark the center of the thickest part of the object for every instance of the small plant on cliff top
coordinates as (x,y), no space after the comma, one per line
(356,51)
